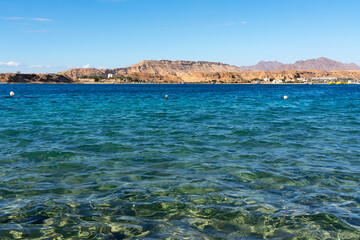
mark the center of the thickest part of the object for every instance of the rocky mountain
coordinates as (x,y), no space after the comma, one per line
(34,78)
(177,68)
(322,64)
(162,67)
(84,72)
(248,76)
(155,78)
(185,68)
(200,77)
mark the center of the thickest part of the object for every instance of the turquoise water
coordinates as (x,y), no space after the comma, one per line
(211,162)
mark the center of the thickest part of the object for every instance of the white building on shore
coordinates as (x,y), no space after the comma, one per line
(277,81)
(324,79)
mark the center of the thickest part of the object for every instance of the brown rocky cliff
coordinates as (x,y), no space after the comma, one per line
(81,72)
(162,67)
(176,68)
(34,78)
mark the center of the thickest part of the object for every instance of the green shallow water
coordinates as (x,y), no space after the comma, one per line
(211,162)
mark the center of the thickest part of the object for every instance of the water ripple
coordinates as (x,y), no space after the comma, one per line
(211,162)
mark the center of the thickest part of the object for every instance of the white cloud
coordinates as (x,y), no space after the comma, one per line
(33,19)
(10,64)
(41,19)
(39,66)
(13,18)
(244,22)
(87,66)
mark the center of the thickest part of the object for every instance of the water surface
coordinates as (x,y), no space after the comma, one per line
(211,162)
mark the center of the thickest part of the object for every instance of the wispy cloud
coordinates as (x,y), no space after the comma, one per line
(13,18)
(244,22)
(87,66)
(31,19)
(10,64)
(39,66)
(41,19)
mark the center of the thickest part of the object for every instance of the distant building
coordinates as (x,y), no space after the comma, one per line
(289,80)
(277,81)
(324,78)
(110,75)
(266,79)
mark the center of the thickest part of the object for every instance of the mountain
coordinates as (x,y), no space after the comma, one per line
(176,68)
(34,78)
(248,76)
(184,68)
(83,72)
(321,64)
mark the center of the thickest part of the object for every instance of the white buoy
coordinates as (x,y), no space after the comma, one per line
(12,94)
(285,97)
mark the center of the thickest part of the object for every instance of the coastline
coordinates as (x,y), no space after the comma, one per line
(104,83)
(151,83)
(245,77)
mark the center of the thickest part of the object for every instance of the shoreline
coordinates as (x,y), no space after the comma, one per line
(194,83)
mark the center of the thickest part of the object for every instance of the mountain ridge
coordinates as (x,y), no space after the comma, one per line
(320,64)
(181,68)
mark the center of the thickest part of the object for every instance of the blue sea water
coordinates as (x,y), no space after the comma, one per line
(209,162)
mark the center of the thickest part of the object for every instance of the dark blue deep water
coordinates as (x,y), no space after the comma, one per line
(211,162)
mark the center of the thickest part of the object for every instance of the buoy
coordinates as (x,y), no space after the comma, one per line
(12,94)
(166,96)
(285,97)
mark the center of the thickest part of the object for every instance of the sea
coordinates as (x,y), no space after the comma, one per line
(210,161)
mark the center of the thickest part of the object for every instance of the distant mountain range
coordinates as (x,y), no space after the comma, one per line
(321,64)
(184,68)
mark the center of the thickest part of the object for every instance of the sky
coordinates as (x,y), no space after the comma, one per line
(48,36)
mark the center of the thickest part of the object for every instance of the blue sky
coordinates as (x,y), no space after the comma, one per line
(55,35)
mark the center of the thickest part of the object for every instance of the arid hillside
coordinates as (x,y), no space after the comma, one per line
(34,78)
(162,67)
(177,68)
(247,76)
(200,77)
(185,68)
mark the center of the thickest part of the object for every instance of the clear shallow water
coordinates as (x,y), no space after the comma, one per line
(211,162)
